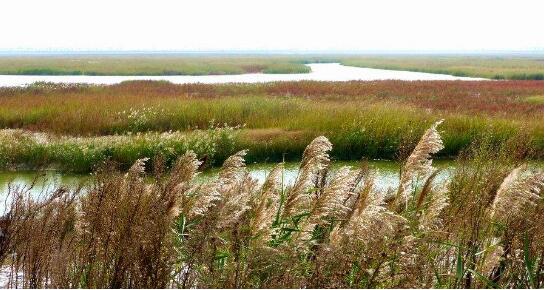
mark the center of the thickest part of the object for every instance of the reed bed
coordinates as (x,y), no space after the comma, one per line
(27,150)
(483,228)
(146,65)
(525,67)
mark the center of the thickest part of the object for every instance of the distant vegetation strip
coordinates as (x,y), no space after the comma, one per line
(511,67)
(146,65)
(499,68)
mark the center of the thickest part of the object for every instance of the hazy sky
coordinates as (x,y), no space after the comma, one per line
(272,25)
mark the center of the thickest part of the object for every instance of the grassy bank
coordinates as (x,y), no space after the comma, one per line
(146,65)
(84,125)
(487,66)
(492,67)
(23,149)
(482,228)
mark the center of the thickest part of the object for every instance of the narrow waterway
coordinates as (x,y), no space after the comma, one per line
(319,72)
(386,175)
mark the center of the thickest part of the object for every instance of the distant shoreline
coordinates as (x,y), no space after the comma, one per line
(23,52)
(514,67)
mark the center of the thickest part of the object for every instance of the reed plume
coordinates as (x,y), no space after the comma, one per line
(333,230)
(517,194)
(330,202)
(236,187)
(370,223)
(266,203)
(492,260)
(315,159)
(430,218)
(419,163)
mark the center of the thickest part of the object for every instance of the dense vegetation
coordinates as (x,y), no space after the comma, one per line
(486,66)
(74,127)
(483,228)
(146,65)
(492,67)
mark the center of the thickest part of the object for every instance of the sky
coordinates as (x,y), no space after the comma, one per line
(277,25)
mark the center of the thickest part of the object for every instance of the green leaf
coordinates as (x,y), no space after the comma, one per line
(489,282)
(459,266)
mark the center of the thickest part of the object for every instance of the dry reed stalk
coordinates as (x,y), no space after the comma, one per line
(517,193)
(330,203)
(236,188)
(266,203)
(492,260)
(430,218)
(315,159)
(131,231)
(418,164)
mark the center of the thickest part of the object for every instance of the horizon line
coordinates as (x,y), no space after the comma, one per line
(265,51)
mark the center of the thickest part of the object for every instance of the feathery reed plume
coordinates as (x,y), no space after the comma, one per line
(357,202)
(517,193)
(138,168)
(235,186)
(426,189)
(315,159)
(370,224)
(430,218)
(492,260)
(235,201)
(330,202)
(179,182)
(233,168)
(207,194)
(419,163)
(184,170)
(266,203)
(364,196)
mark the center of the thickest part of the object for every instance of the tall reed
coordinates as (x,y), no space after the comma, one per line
(329,229)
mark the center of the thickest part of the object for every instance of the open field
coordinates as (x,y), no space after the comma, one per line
(491,67)
(485,66)
(273,120)
(483,228)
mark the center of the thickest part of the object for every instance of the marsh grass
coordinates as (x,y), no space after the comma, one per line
(379,134)
(146,65)
(488,66)
(492,67)
(278,120)
(23,149)
(483,228)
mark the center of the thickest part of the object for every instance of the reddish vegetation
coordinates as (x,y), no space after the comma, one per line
(503,98)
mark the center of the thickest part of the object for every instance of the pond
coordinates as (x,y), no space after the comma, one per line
(319,72)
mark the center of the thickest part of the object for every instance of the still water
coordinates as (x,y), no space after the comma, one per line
(386,172)
(319,72)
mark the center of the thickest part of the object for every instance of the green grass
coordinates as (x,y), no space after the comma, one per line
(275,130)
(146,65)
(89,124)
(19,149)
(538,100)
(492,67)
(486,66)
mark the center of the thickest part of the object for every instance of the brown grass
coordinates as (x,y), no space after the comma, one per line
(327,230)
